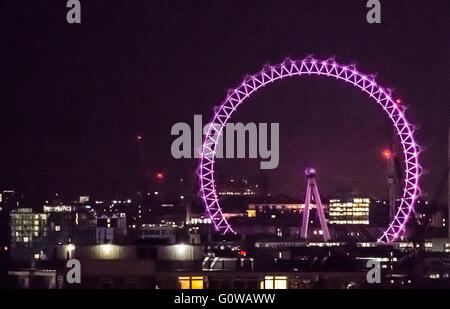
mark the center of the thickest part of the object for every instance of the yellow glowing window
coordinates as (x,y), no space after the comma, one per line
(251,213)
(197,283)
(274,282)
(185,283)
(281,283)
(268,283)
(190,283)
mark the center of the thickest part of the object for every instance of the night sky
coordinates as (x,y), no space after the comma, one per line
(74,97)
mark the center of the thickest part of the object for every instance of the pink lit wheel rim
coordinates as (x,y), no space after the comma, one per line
(311,66)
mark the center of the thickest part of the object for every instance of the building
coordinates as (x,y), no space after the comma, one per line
(8,201)
(111,228)
(28,234)
(102,266)
(233,188)
(353,210)
(159,232)
(275,208)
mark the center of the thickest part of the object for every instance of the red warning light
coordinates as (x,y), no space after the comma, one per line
(159,175)
(243,253)
(139,137)
(387,154)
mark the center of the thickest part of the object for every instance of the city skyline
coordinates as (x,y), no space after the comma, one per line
(235,146)
(64,137)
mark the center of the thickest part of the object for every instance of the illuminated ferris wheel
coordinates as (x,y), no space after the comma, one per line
(328,68)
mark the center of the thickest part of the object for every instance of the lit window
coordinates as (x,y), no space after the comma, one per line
(251,213)
(185,283)
(195,283)
(274,282)
(57,228)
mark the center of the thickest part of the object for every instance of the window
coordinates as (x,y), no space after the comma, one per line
(184,283)
(274,282)
(251,213)
(195,283)
(57,228)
